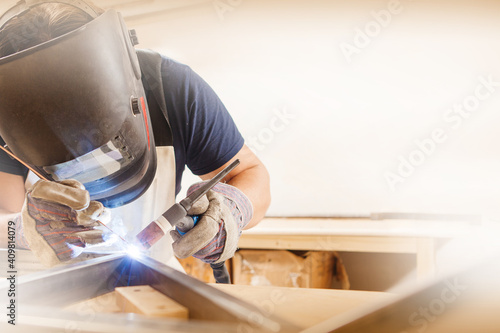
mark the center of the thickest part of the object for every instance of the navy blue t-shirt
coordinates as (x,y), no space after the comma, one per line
(205,136)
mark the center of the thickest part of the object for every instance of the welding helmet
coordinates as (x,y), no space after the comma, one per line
(74,107)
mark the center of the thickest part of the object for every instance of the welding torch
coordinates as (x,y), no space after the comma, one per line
(177,216)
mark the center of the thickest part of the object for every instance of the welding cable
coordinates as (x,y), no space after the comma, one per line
(221,273)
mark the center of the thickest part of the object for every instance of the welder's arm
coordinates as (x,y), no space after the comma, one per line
(240,201)
(11,201)
(250,177)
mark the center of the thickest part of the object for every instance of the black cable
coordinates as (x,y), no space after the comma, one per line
(221,274)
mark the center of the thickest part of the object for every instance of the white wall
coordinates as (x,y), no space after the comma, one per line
(351,116)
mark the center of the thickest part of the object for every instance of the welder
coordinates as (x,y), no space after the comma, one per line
(112,129)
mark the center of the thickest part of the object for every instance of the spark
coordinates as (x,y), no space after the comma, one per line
(134,251)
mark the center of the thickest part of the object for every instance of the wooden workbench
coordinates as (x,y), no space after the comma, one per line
(302,306)
(419,237)
(464,301)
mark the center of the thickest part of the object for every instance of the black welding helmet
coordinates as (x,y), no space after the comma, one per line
(75,108)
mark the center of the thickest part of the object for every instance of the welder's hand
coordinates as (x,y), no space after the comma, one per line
(224,212)
(59,220)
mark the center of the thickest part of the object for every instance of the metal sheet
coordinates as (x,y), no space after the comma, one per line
(59,287)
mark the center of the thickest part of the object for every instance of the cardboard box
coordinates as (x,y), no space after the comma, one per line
(313,269)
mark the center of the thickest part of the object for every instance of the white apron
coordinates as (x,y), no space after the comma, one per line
(130,219)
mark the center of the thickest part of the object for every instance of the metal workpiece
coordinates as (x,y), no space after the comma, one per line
(43,295)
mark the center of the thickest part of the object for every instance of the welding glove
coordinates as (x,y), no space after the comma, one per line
(224,212)
(59,220)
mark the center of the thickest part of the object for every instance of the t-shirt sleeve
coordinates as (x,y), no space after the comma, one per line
(9,165)
(214,137)
(202,127)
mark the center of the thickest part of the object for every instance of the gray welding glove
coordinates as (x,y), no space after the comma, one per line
(224,212)
(59,220)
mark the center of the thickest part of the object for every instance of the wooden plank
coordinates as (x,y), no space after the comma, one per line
(147,301)
(101,304)
(362,227)
(330,243)
(304,307)
(426,258)
(465,301)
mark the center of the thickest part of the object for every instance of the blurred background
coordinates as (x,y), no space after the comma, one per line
(355,106)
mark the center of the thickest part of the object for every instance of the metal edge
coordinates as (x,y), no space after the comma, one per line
(65,285)
(206,302)
(51,287)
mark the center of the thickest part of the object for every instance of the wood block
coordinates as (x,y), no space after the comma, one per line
(304,307)
(150,302)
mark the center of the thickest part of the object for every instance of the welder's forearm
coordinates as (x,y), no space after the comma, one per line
(5,217)
(252,178)
(255,183)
